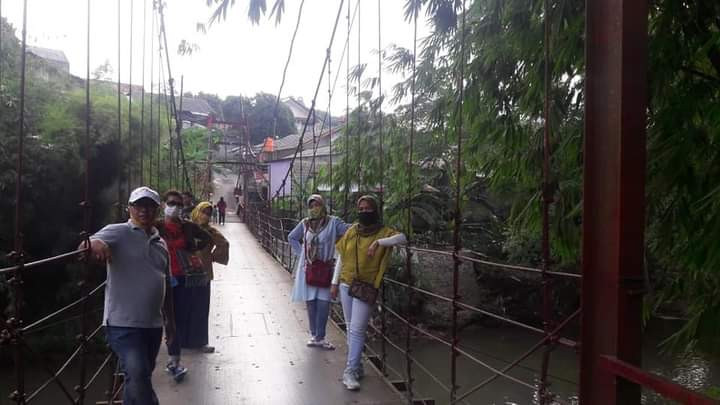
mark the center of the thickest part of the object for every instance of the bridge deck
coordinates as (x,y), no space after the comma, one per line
(260,337)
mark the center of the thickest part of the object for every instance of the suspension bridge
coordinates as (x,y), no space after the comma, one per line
(261,357)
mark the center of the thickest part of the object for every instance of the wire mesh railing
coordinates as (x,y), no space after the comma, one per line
(271,233)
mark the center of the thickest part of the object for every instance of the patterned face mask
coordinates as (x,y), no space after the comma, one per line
(315,212)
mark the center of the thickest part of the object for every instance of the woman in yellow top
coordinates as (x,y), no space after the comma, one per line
(216,251)
(364,251)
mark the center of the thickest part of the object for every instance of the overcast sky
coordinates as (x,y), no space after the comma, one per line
(234,57)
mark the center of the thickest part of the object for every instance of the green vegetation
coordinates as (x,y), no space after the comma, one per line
(503,140)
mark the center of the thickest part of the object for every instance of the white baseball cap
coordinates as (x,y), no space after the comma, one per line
(144,192)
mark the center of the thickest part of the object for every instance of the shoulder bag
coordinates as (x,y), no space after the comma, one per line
(318,273)
(361,290)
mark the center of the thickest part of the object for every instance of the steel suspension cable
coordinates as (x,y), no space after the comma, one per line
(160,81)
(176,113)
(383,316)
(408,261)
(285,69)
(547,199)
(314,101)
(141,180)
(457,244)
(81,388)
(358,71)
(1,37)
(130,68)
(119,116)
(347,121)
(152,89)
(15,323)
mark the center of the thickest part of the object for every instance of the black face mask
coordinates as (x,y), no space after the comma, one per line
(368,218)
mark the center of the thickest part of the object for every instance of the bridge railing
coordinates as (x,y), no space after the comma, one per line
(15,335)
(271,233)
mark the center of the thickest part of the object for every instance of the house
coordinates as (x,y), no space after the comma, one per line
(195,111)
(48,64)
(301,112)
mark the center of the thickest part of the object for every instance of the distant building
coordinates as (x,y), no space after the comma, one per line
(196,111)
(300,114)
(48,64)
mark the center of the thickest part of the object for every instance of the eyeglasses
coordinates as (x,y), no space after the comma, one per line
(173,203)
(144,206)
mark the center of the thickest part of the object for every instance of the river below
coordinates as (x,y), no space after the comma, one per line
(500,346)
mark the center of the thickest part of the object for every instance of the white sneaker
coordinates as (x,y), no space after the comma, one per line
(359,373)
(350,381)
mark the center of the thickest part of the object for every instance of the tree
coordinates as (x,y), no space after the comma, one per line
(103,72)
(259,112)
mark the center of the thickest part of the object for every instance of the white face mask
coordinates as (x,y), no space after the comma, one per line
(172,212)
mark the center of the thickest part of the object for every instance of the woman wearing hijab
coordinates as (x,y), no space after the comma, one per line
(313,241)
(217,251)
(364,251)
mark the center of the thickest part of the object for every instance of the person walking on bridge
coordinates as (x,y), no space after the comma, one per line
(222,208)
(364,251)
(138,299)
(313,241)
(217,251)
(184,239)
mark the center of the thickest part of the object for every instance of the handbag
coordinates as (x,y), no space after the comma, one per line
(318,273)
(361,290)
(192,268)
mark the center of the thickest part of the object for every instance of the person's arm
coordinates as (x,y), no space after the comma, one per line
(168,309)
(101,244)
(336,277)
(397,239)
(221,253)
(341,227)
(199,238)
(295,238)
(390,241)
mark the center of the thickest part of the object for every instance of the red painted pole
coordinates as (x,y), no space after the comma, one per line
(614,196)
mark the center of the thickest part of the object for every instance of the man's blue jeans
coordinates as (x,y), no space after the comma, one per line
(136,349)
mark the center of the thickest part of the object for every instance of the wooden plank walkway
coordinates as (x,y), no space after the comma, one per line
(260,338)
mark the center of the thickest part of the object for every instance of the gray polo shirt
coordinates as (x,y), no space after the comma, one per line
(137,276)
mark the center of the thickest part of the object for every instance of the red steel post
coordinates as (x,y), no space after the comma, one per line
(614,196)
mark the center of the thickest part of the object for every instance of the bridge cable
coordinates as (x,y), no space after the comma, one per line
(119,116)
(314,100)
(152,89)
(547,199)
(408,260)
(383,316)
(159,104)
(130,69)
(358,73)
(141,180)
(176,113)
(347,121)
(457,242)
(18,252)
(331,91)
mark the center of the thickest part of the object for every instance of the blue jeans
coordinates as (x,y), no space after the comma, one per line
(136,349)
(357,315)
(318,311)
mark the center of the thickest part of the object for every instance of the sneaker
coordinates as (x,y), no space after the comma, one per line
(179,373)
(312,343)
(359,373)
(207,349)
(170,368)
(325,344)
(350,381)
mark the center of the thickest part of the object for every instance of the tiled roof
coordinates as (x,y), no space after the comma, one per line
(49,54)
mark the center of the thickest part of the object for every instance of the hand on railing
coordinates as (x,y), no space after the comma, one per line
(99,251)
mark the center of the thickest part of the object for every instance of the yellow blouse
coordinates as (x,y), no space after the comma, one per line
(370,269)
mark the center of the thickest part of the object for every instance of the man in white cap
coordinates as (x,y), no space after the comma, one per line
(138,301)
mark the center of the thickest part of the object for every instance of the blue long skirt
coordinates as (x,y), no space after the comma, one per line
(194,317)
